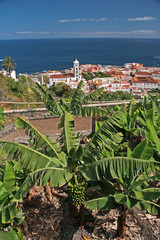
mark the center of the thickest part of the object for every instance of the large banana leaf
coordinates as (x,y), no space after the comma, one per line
(144,150)
(8,212)
(76,98)
(51,104)
(11,235)
(51,149)
(38,162)
(103,203)
(84,111)
(111,202)
(32,159)
(108,136)
(125,199)
(9,177)
(57,177)
(149,206)
(68,135)
(149,194)
(142,118)
(151,136)
(117,167)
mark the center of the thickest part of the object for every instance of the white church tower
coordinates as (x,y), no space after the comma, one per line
(76,70)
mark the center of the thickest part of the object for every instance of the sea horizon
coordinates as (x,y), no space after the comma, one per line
(78,38)
(37,55)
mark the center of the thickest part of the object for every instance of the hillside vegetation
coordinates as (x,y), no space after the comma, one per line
(20,90)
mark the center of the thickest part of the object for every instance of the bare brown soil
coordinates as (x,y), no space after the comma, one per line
(47,218)
(50,127)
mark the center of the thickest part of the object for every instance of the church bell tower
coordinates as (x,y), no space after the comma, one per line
(76,69)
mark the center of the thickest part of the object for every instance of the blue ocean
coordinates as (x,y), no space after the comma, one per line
(37,55)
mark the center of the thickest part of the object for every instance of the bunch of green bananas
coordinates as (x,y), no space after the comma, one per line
(77,193)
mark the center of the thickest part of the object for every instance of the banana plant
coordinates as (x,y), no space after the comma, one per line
(56,163)
(75,106)
(136,118)
(123,190)
(10,197)
(123,183)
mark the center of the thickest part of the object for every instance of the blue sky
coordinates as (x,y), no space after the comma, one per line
(20,19)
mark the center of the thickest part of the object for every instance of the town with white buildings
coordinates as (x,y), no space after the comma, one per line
(132,77)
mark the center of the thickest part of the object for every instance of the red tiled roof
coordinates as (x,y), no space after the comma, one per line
(61,76)
(143,80)
(126,86)
(58,76)
(142,73)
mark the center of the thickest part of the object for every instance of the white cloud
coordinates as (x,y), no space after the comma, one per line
(144,32)
(73,20)
(32,33)
(24,32)
(142,19)
(103,19)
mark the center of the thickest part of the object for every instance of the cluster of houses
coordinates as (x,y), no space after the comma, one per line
(132,77)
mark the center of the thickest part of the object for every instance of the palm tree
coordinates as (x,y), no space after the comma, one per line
(8,64)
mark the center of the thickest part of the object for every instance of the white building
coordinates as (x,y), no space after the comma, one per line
(76,70)
(69,79)
(56,78)
(145,83)
(13,74)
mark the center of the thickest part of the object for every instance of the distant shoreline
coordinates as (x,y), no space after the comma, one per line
(36,55)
